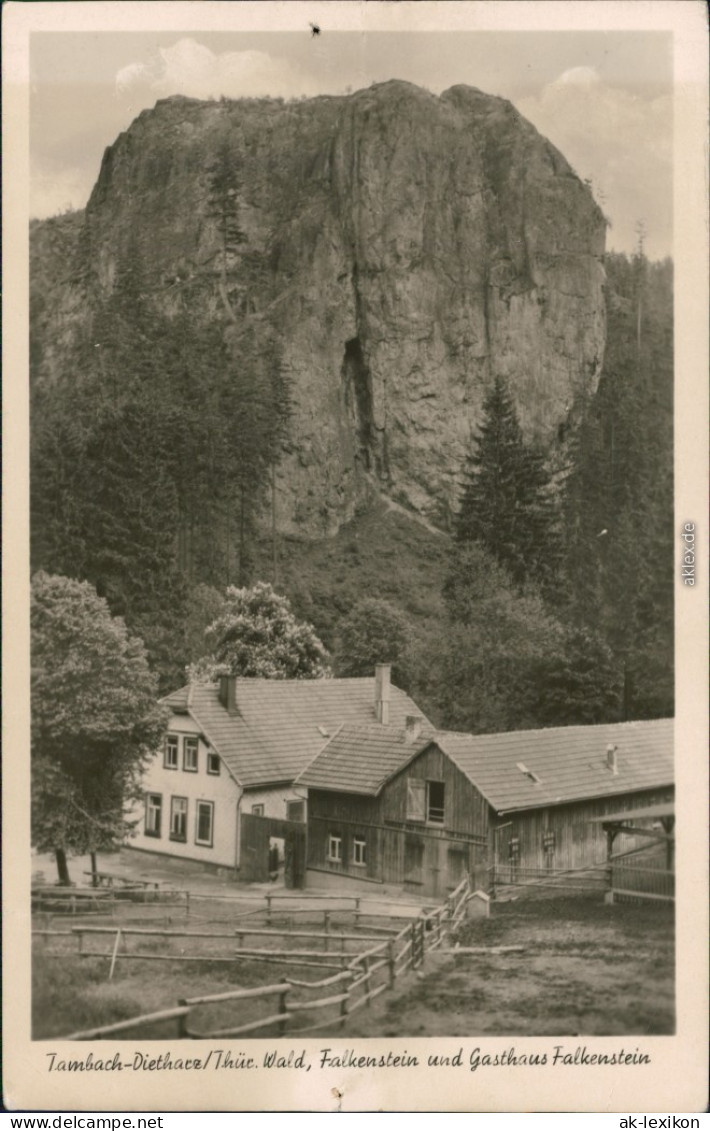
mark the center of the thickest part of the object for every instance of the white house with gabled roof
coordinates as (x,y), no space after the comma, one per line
(235,748)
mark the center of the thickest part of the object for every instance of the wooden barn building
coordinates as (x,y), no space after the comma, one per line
(419,808)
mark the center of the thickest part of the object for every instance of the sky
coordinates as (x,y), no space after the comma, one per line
(603,98)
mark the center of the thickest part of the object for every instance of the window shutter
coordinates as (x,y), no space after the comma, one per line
(416,800)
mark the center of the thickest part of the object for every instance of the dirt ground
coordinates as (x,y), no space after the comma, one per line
(587,969)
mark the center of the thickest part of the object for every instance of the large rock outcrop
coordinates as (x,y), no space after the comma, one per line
(409,248)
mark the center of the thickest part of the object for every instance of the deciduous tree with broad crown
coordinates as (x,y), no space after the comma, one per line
(256,634)
(95,719)
(373,632)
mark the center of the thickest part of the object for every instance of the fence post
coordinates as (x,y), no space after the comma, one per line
(413,952)
(326,928)
(366,964)
(187,904)
(80,937)
(390,961)
(282,1005)
(344,1005)
(115,953)
(182,1022)
(357,911)
(268,909)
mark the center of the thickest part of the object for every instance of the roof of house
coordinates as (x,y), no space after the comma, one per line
(282,724)
(361,759)
(563,763)
(513,770)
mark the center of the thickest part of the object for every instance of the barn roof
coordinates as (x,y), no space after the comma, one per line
(513,770)
(360,759)
(282,724)
(528,769)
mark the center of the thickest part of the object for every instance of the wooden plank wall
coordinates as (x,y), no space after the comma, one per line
(426,858)
(579,842)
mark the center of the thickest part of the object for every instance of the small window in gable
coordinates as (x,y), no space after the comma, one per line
(335,849)
(214,765)
(170,758)
(189,755)
(359,852)
(257,810)
(435,802)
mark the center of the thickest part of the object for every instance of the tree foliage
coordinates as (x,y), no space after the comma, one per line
(505,661)
(256,634)
(484,668)
(619,494)
(95,720)
(374,632)
(153,456)
(507,504)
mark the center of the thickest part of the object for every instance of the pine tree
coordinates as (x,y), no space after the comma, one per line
(507,504)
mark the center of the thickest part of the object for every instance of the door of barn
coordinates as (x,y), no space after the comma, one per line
(255,837)
(254,848)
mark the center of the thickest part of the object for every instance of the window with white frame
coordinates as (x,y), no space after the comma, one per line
(335,849)
(213,763)
(153,811)
(189,755)
(359,851)
(204,823)
(178,818)
(170,759)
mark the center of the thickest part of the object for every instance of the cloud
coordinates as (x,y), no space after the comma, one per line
(578,76)
(621,142)
(188,67)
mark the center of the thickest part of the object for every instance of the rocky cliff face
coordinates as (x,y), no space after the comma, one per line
(404,248)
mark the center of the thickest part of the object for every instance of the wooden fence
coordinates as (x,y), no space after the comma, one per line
(504,876)
(631,881)
(291,1005)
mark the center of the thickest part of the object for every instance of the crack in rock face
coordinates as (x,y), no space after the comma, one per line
(403,249)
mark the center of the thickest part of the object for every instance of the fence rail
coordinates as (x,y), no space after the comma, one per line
(360,978)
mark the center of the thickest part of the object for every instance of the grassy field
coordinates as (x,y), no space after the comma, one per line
(586,969)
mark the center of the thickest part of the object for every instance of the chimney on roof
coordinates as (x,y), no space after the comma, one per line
(228,693)
(382,693)
(611,758)
(412,728)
